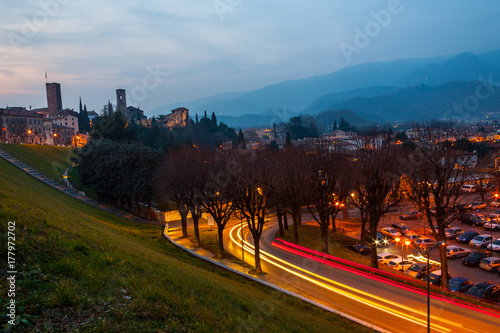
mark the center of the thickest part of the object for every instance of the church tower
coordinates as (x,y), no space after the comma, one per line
(121,101)
(54,100)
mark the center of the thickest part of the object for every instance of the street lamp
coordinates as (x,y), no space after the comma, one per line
(429,284)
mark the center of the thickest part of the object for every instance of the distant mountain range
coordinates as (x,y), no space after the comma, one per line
(407,89)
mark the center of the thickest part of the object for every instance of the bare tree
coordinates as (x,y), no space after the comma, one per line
(326,184)
(290,180)
(436,173)
(252,195)
(217,196)
(376,189)
(179,177)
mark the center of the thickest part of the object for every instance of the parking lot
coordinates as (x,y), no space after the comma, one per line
(419,226)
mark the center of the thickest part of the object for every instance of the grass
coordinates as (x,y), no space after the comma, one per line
(53,160)
(80,268)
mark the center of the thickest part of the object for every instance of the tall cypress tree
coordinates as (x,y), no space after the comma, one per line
(214,121)
(288,140)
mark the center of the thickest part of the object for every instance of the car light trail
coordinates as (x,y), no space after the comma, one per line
(406,316)
(382,279)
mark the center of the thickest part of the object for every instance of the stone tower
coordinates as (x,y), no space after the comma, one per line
(121,101)
(54,100)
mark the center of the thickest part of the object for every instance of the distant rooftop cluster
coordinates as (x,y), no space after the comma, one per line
(54,125)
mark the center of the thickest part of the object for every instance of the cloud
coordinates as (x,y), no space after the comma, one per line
(93,47)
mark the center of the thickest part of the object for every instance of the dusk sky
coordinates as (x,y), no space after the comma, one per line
(197,48)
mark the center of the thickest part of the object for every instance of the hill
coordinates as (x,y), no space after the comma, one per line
(51,159)
(325,102)
(464,67)
(80,268)
(298,94)
(423,102)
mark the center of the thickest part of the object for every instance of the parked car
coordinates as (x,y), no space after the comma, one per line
(453,251)
(467,236)
(492,225)
(384,258)
(435,277)
(481,240)
(413,237)
(400,265)
(460,284)
(413,215)
(379,239)
(495,204)
(460,208)
(402,228)
(485,290)
(417,269)
(360,248)
(452,233)
(424,243)
(471,219)
(478,205)
(475,258)
(491,264)
(495,214)
(391,232)
(468,188)
(495,245)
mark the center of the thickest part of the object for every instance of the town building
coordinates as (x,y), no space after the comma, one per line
(178,118)
(62,135)
(21,126)
(67,118)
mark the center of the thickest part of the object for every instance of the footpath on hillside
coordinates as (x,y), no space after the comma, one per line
(69,190)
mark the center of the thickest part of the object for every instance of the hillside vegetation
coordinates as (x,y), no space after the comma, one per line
(80,268)
(51,159)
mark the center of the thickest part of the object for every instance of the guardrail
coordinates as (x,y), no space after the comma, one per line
(49,175)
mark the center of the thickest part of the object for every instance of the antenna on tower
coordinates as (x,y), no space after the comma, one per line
(46,80)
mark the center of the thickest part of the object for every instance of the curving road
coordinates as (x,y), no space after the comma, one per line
(383,303)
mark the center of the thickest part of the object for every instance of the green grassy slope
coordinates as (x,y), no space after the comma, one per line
(84,269)
(53,160)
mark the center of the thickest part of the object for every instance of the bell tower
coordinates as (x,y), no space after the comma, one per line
(121,101)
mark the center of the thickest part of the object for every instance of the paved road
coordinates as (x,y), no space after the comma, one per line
(392,307)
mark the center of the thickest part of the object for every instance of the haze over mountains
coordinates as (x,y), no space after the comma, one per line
(407,89)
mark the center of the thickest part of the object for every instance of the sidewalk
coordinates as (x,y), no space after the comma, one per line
(71,192)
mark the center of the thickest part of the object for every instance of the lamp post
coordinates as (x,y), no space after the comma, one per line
(429,285)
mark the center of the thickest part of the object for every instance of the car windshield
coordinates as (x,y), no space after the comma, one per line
(475,255)
(415,268)
(496,241)
(480,238)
